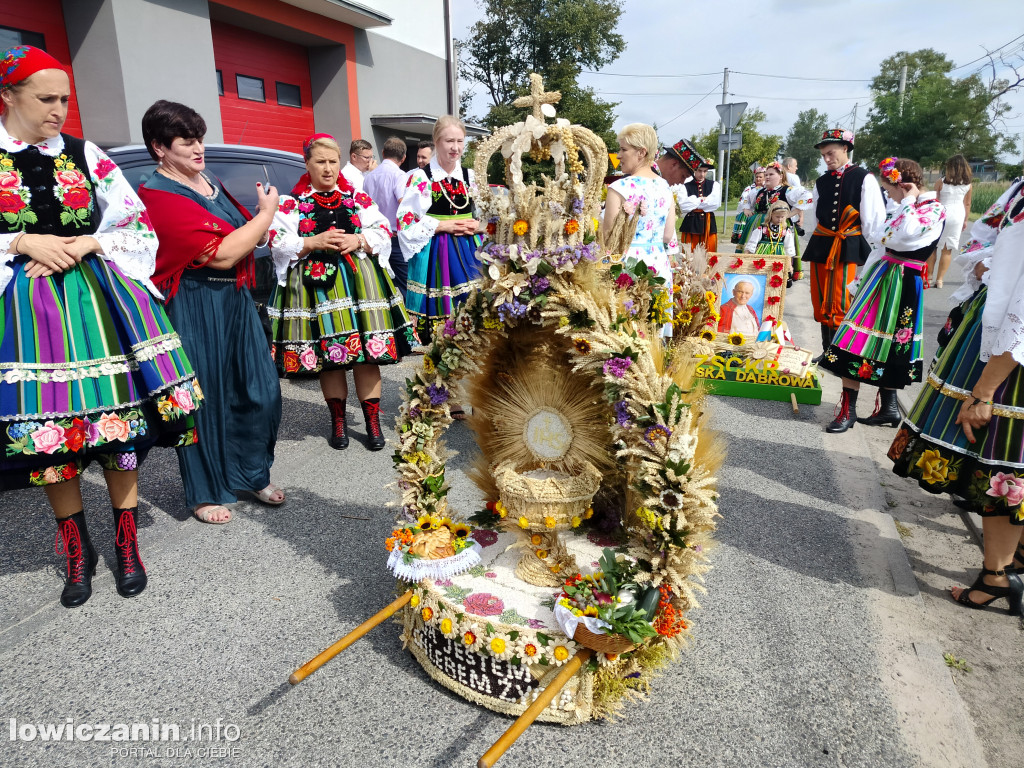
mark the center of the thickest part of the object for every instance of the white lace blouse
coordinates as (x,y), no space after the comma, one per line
(1002,322)
(415,226)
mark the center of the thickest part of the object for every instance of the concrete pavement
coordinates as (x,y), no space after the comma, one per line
(808,650)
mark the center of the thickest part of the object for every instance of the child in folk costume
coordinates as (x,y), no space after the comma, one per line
(879,341)
(745,207)
(775,237)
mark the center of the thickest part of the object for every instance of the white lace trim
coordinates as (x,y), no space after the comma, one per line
(90,369)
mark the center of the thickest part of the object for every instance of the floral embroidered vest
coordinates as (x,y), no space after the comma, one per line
(694,221)
(766,197)
(315,217)
(46,195)
(449,197)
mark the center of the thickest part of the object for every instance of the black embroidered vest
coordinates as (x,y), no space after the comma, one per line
(694,221)
(766,197)
(450,197)
(45,195)
(832,195)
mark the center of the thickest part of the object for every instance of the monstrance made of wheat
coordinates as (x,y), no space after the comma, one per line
(562,620)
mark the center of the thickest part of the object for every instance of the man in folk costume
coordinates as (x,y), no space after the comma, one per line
(700,199)
(674,166)
(850,215)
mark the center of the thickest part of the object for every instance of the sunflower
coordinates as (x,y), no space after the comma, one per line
(736,338)
(428,522)
(459,530)
(707,335)
(712,298)
(521,227)
(536,539)
(542,554)
(582,346)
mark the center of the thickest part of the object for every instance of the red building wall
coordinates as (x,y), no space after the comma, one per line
(238,51)
(47,18)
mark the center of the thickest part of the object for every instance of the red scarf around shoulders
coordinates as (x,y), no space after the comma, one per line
(190,237)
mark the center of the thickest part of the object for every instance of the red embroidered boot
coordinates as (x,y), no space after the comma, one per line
(339,429)
(73,541)
(371,412)
(131,573)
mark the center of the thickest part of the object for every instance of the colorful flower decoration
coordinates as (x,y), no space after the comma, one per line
(889,172)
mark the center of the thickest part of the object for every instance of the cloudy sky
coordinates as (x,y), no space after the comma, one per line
(843,44)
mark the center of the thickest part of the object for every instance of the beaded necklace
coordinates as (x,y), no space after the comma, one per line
(449,191)
(330,201)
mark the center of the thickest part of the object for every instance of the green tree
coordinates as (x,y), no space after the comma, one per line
(554,38)
(941,115)
(757,148)
(800,141)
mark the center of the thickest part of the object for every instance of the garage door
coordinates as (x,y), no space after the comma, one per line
(40,23)
(266,100)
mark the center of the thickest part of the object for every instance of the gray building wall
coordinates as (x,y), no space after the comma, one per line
(395,78)
(126,54)
(328,72)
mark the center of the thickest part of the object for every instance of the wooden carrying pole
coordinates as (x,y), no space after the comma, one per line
(323,657)
(526,719)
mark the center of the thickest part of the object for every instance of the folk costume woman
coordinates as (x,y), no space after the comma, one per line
(205,269)
(879,341)
(90,367)
(702,198)
(437,231)
(335,306)
(775,189)
(745,207)
(965,433)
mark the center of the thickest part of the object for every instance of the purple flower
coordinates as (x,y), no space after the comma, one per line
(438,394)
(577,205)
(511,310)
(414,413)
(617,366)
(532,623)
(539,284)
(629,307)
(449,327)
(622,413)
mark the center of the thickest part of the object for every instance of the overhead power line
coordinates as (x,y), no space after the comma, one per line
(645,75)
(713,90)
(800,98)
(794,77)
(996,50)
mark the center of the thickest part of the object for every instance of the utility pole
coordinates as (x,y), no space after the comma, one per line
(853,128)
(725,92)
(903,86)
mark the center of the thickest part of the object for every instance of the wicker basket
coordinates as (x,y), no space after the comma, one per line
(546,494)
(602,643)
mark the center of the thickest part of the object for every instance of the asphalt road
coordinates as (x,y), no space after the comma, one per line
(807,650)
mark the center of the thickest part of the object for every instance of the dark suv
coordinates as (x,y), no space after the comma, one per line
(238,168)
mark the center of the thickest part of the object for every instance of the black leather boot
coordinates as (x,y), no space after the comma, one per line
(887,410)
(826,339)
(371,412)
(131,573)
(73,541)
(339,429)
(846,412)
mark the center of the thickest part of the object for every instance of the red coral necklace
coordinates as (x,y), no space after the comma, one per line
(331,201)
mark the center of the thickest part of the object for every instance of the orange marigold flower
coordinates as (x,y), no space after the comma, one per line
(572,227)
(521,227)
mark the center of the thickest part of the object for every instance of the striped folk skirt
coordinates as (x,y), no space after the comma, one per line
(932,448)
(879,341)
(441,276)
(90,368)
(359,319)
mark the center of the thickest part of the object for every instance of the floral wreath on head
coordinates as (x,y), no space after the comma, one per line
(889,171)
(777,166)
